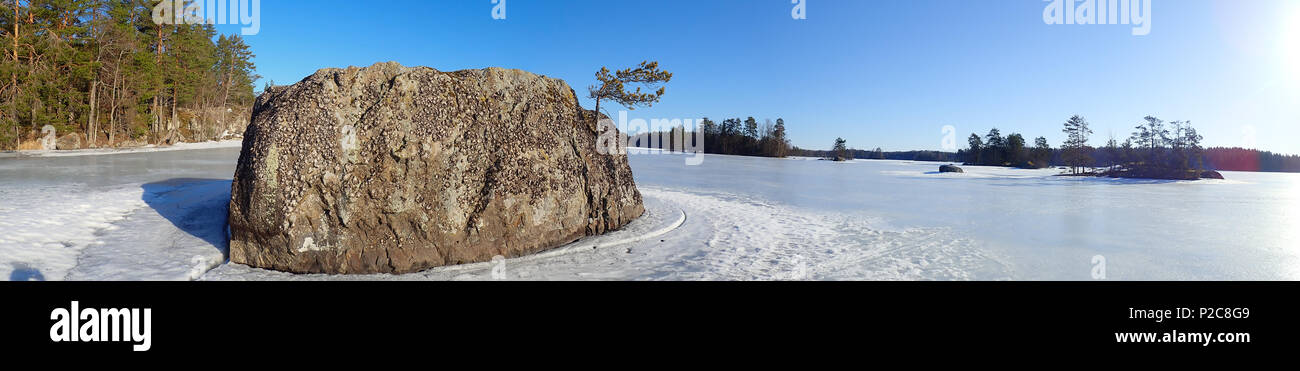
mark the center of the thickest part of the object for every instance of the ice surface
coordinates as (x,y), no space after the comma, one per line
(1039,226)
(42,232)
(135,215)
(180,236)
(161,216)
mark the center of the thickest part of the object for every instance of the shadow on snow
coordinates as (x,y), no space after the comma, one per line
(23,272)
(196,206)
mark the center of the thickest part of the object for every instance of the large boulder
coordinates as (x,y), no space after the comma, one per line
(69,142)
(390,169)
(950,169)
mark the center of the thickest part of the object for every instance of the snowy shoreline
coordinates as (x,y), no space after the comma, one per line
(233,143)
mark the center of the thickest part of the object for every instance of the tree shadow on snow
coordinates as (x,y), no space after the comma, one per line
(196,206)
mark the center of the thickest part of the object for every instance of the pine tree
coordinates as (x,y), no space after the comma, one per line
(778,136)
(976,146)
(1192,143)
(613,86)
(1075,150)
(235,70)
(1042,152)
(994,148)
(104,68)
(1015,149)
(1112,153)
(841,150)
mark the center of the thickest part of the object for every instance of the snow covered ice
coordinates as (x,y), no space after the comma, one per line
(160,215)
(113,214)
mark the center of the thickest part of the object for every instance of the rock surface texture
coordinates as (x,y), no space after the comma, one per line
(69,142)
(392,169)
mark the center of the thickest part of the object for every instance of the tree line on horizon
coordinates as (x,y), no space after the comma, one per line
(1156,149)
(731,137)
(748,137)
(1163,150)
(105,70)
(1243,159)
(995,150)
(840,150)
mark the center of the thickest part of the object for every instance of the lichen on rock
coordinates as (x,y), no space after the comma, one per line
(392,169)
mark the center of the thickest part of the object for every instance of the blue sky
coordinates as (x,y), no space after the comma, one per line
(884,74)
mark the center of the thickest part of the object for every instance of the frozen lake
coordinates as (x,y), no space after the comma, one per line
(161,216)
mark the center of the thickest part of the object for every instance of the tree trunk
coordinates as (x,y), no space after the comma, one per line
(112,111)
(93,127)
(13,75)
(173,124)
(153,124)
(15,37)
(226,97)
(157,108)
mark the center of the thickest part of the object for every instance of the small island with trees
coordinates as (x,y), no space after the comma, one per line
(1156,150)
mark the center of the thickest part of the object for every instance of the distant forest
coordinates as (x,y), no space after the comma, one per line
(878,154)
(1240,159)
(1154,146)
(731,137)
(103,70)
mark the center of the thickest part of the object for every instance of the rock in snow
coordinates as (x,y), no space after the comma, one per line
(950,169)
(390,169)
(68,142)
